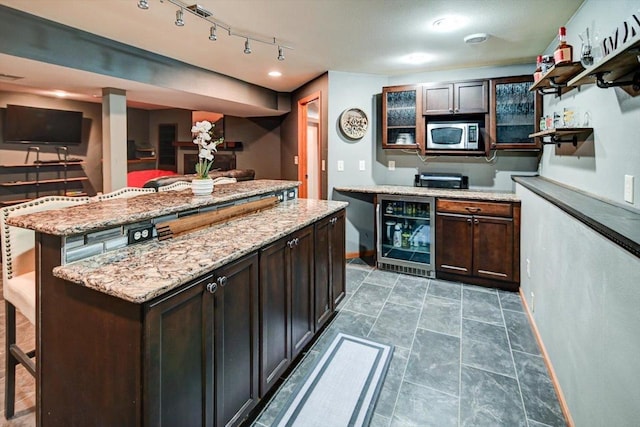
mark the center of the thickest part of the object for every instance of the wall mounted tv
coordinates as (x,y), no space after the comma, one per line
(33,125)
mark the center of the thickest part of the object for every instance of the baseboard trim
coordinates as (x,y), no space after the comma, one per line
(545,356)
(351,255)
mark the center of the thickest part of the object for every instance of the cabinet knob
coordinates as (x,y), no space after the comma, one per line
(469,221)
(333,221)
(222,280)
(457,110)
(291,243)
(451,110)
(475,221)
(297,241)
(212,287)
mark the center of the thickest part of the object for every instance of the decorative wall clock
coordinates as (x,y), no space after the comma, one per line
(354,123)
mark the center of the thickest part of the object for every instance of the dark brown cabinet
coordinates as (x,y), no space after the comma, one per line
(329,266)
(202,350)
(402,123)
(455,98)
(286,303)
(478,242)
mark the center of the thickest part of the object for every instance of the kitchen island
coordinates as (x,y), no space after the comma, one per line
(192,330)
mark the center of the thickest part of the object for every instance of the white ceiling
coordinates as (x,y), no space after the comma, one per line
(359,36)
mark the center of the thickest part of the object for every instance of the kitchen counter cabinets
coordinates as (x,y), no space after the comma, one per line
(478,242)
(467,97)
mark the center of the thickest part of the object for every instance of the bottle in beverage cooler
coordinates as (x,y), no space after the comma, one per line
(564,52)
(397,236)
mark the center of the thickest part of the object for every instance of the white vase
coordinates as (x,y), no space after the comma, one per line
(202,187)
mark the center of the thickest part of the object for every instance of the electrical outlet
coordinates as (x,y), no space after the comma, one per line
(295,160)
(528,268)
(628,188)
(340,165)
(361,165)
(392,165)
(140,234)
(533,303)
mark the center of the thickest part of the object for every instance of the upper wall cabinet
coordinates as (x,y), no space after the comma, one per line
(514,113)
(402,125)
(455,98)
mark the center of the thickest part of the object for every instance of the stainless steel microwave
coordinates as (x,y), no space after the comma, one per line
(452,136)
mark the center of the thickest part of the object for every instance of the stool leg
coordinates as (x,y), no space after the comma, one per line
(11,361)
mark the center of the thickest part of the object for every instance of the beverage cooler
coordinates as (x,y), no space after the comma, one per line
(405,234)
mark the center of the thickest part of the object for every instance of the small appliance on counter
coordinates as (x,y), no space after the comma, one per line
(442,180)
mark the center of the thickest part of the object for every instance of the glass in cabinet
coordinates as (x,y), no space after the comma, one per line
(515,113)
(405,234)
(402,123)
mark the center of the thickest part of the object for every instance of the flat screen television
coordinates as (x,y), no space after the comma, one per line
(33,125)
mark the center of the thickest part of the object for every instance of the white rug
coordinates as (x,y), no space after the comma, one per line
(342,389)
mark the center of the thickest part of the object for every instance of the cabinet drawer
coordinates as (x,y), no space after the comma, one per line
(474,207)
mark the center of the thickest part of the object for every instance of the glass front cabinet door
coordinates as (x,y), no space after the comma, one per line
(514,113)
(405,234)
(402,121)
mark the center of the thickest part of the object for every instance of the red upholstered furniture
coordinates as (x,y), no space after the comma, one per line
(138,178)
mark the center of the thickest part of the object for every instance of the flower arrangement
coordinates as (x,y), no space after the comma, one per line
(202,132)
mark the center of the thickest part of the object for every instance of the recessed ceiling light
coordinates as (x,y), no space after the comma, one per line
(476,38)
(275,73)
(417,58)
(449,23)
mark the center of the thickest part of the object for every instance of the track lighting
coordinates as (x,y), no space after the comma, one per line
(215,24)
(179,16)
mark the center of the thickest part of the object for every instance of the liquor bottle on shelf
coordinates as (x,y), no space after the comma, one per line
(564,52)
(538,73)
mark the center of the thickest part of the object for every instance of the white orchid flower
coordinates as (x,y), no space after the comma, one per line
(205,154)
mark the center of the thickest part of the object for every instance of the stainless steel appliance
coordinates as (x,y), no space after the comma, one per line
(452,136)
(406,234)
(442,180)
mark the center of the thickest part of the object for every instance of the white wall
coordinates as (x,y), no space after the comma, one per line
(586,308)
(614,148)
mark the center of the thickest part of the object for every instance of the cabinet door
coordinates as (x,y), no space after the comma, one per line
(302,271)
(236,340)
(402,123)
(323,285)
(179,355)
(514,113)
(471,97)
(493,248)
(275,312)
(438,99)
(337,258)
(454,243)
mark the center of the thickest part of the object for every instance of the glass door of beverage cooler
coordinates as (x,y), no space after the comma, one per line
(406,234)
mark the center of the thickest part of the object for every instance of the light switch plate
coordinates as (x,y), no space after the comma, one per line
(362,165)
(295,160)
(340,165)
(392,165)
(628,188)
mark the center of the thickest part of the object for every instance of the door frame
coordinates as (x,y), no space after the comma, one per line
(302,143)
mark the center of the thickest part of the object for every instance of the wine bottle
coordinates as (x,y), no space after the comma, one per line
(564,52)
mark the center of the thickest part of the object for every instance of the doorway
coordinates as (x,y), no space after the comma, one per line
(166,149)
(309,146)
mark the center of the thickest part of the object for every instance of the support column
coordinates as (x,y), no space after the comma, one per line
(114,139)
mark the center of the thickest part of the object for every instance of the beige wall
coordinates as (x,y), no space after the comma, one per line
(261,144)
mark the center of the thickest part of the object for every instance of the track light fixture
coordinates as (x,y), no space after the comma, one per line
(179,16)
(199,12)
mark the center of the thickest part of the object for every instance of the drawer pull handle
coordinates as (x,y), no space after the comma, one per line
(212,287)
(472,209)
(222,280)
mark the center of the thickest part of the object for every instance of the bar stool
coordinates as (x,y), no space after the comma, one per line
(19,284)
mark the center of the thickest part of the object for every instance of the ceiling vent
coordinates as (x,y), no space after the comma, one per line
(196,8)
(9,77)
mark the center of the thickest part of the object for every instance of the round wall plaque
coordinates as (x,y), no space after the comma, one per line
(354,123)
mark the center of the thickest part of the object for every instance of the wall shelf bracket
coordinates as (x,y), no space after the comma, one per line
(634,82)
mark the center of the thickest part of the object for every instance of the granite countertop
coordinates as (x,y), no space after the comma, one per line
(405,190)
(139,273)
(619,224)
(113,212)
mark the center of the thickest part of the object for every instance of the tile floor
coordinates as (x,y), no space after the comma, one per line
(464,355)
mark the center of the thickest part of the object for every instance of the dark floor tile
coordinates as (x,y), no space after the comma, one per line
(367,263)
(540,399)
(443,289)
(354,278)
(382,278)
(409,291)
(435,362)
(481,306)
(489,399)
(520,334)
(368,299)
(379,421)
(490,356)
(480,331)
(510,301)
(396,325)
(424,407)
(389,393)
(441,315)
(347,322)
(533,423)
(479,288)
